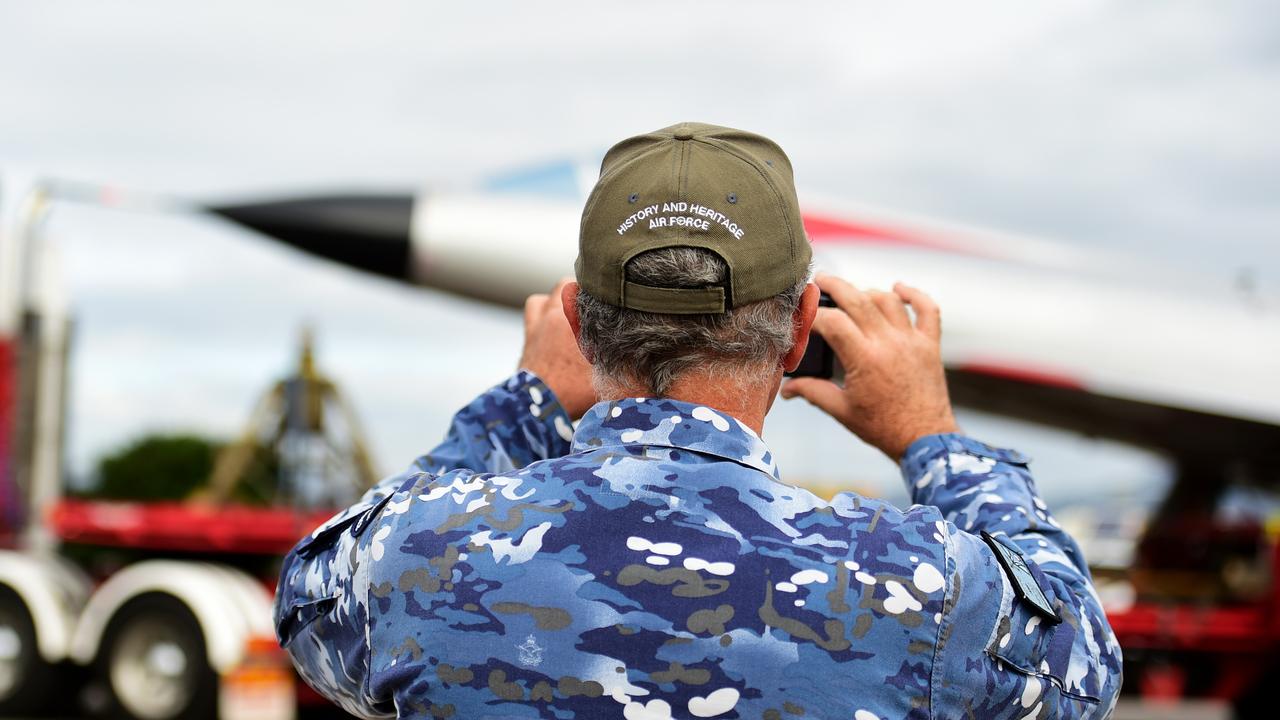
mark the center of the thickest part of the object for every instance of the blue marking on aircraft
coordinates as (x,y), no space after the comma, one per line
(555,179)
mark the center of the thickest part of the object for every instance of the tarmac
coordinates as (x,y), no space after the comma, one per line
(1198,710)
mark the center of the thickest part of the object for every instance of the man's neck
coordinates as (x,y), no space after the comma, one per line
(748,404)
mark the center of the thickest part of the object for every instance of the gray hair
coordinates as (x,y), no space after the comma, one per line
(633,348)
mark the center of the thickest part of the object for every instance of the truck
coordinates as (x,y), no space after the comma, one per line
(146,610)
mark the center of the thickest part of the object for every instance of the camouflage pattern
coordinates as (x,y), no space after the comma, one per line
(653,565)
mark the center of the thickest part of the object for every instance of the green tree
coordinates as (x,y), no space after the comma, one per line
(156,467)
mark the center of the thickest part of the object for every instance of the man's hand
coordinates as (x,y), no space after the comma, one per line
(894,390)
(551,353)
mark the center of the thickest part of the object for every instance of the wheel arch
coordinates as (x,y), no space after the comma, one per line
(54,593)
(229,606)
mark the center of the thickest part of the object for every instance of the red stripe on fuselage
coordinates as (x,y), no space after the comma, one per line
(824,229)
(1022,373)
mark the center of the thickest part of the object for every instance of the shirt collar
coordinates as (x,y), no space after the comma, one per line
(671,423)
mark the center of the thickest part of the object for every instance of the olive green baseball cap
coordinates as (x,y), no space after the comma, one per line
(700,186)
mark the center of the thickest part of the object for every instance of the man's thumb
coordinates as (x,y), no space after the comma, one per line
(824,394)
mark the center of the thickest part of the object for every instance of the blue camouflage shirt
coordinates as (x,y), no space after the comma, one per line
(652,564)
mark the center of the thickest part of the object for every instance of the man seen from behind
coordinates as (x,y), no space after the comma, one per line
(653,562)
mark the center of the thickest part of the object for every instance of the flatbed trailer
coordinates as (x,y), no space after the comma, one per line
(153,610)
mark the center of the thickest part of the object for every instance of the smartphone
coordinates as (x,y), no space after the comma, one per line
(819,359)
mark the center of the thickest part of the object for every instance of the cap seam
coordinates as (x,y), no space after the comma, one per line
(782,205)
(616,168)
(682,188)
(764,176)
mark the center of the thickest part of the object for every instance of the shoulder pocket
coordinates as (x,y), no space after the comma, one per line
(300,615)
(301,600)
(355,518)
(1040,636)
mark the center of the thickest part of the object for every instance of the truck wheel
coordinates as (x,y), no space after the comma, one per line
(152,662)
(26,680)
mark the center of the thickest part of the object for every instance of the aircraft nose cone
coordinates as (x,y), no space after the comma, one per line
(367,232)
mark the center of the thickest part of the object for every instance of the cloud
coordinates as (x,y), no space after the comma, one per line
(1145,125)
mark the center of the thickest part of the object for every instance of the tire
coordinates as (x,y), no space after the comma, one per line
(27,682)
(153,665)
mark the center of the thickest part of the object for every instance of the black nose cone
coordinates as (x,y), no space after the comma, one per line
(367,232)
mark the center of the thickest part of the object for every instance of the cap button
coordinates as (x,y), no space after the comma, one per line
(682,135)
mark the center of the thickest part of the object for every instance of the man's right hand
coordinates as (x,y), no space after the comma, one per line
(894,390)
(551,352)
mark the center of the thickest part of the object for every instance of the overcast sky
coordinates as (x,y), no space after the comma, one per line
(1142,126)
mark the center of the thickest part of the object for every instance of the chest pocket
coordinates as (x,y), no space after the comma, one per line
(1032,641)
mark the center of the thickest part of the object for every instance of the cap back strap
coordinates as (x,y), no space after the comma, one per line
(673,301)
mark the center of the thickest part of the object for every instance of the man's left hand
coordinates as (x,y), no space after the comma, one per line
(551,353)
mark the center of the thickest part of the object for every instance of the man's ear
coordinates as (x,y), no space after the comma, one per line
(801,321)
(569,300)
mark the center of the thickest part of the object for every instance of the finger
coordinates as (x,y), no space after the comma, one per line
(890,305)
(853,301)
(823,394)
(533,307)
(928,316)
(840,332)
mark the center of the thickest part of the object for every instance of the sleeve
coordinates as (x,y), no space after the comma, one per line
(507,427)
(321,608)
(997,656)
